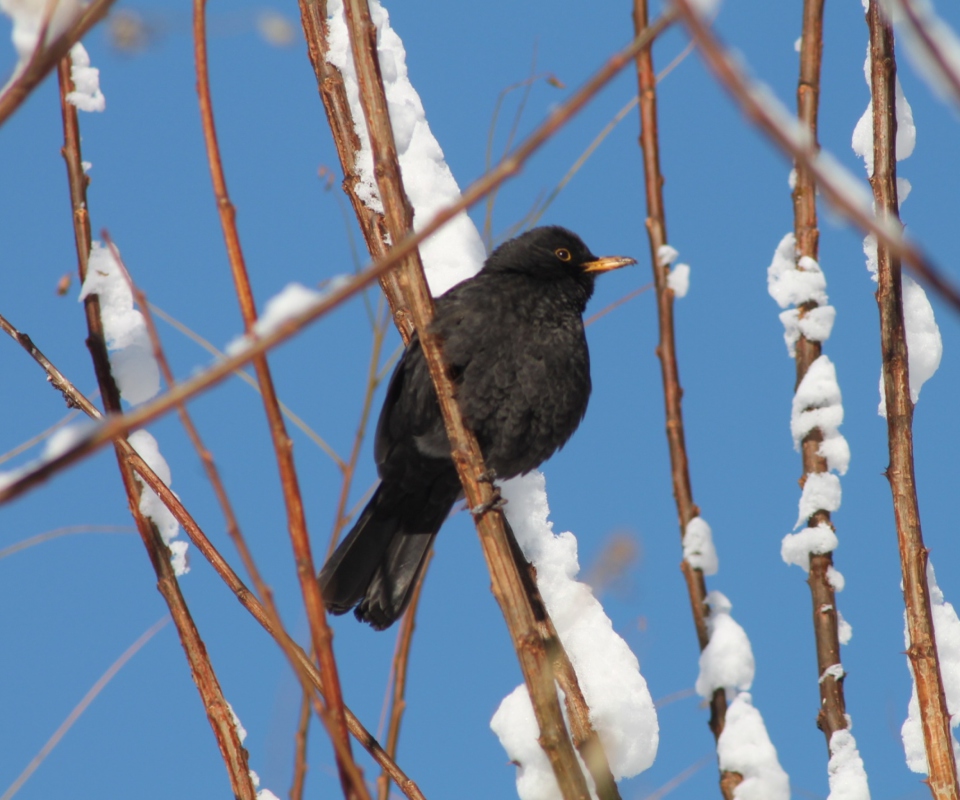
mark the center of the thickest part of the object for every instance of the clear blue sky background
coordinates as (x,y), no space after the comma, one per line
(71,606)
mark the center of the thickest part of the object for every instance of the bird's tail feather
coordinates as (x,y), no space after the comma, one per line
(376,567)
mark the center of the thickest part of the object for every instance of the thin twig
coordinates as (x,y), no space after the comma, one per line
(511,165)
(40,538)
(670,372)
(300,660)
(398,676)
(831,715)
(23,447)
(82,706)
(296,521)
(300,763)
(922,652)
(46,57)
(216,707)
(923,21)
(833,181)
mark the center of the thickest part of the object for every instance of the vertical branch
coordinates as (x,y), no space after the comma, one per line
(296,521)
(218,712)
(669,369)
(922,651)
(507,583)
(831,716)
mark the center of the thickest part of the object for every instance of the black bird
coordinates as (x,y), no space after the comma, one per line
(513,340)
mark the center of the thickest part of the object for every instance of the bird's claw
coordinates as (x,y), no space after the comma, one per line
(488,476)
(495,503)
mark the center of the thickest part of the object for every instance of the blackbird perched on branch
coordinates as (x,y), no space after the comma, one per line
(513,339)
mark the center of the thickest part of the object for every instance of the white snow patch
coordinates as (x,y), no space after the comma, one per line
(132,362)
(848,778)
(745,747)
(455,252)
(817,403)
(835,579)
(821,491)
(678,279)
(698,549)
(946,628)
(790,282)
(152,507)
(621,709)
(86,95)
(834,671)
(797,548)
(862,141)
(727,660)
(666,255)
(844,629)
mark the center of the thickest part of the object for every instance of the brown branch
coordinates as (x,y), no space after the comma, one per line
(497,543)
(350,775)
(831,715)
(247,599)
(216,707)
(46,57)
(511,165)
(313,16)
(670,372)
(832,181)
(922,21)
(922,652)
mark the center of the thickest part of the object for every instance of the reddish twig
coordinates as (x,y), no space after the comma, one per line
(398,676)
(670,372)
(761,108)
(300,764)
(831,715)
(217,709)
(56,533)
(296,520)
(922,21)
(922,652)
(511,165)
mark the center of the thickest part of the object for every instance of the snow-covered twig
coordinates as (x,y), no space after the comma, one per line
(913,555)
(808,348)
(932,45)
(843,191)
(507,584)
(350,776)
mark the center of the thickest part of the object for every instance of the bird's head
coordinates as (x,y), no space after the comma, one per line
(553,253)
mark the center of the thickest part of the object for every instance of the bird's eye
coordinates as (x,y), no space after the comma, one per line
(562,253)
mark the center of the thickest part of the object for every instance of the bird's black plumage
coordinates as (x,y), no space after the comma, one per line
(513,339)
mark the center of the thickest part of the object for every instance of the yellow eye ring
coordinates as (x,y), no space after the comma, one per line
(562,253)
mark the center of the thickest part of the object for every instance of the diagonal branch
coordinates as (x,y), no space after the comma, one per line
(832,180)
(353,785)
(922,652)
(267,618)
(507,584)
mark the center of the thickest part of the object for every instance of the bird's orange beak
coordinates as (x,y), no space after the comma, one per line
(608,263)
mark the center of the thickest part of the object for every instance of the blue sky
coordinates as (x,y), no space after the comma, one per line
(72,605)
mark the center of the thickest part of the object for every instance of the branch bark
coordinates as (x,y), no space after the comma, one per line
(670,372)
(831,715)
(922,652)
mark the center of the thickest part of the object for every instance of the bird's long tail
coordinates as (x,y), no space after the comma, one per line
(376,566)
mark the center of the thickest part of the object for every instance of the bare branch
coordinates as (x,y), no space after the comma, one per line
(922,652)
